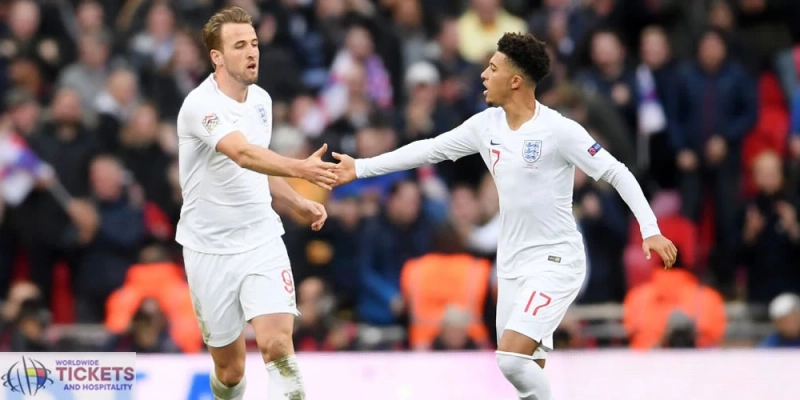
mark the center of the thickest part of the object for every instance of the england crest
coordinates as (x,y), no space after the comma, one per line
(263,114)
(531,150)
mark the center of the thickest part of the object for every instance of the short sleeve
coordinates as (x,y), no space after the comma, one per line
(581,150)
(202,121)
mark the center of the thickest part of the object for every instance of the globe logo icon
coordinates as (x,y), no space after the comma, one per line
(27,376)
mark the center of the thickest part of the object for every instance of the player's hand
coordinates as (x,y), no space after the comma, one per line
(663,247)
(316,171)
(313,212)
(346,169)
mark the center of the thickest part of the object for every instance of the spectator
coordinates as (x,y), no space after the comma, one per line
(278,72)
(116,244)
(461,85)
(168,85)
(656,78)
(88,76)
(784,311)
(156,276)
(115,106)
(59,232)
(359,51)
(30,327)
(600,214)
(425,116)
(448,316)
(674,310)
(716,108)
(770,234)
(454,333)
(409,28)
(317,329)
(344,227)
(143,155)
(23,39)
(153,47)
(148,332)
(397,234)
(482,25)
(18,294)
(610,77)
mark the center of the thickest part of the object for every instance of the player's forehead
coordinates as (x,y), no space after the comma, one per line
(232,33)
(499,60)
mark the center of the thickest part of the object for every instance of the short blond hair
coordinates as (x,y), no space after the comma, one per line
(212,31)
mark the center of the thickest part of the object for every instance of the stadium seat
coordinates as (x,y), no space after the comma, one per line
(63,300)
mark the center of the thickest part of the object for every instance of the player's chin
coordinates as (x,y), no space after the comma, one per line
(488,98)
(250,79)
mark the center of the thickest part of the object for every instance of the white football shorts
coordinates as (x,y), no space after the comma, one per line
(228,290)
(534,305)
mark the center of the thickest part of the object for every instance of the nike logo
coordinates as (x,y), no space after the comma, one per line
(491,142)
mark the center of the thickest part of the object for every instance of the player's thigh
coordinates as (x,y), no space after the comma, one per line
(214,287)
(506,295)
(267,296)
(268,287)
(539,307)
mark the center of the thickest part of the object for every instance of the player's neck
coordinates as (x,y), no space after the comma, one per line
(519,110)
(230,87)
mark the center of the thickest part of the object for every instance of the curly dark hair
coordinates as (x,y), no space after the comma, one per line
(526,53)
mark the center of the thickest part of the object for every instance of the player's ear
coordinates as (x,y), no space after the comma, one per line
(216,57)
(516,82)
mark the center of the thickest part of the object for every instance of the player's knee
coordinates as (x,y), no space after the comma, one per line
(277,346)
(230,374)
(511,365)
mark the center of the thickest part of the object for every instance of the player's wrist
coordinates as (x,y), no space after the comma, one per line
(294,168)
(296,201)
(358,168)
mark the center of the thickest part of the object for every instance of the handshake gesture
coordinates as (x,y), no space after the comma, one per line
(324,174)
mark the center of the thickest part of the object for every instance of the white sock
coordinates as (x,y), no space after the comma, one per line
(222,392)
(285,381)
(525,374)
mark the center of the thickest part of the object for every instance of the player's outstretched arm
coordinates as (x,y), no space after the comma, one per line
(265,161)
(452,145)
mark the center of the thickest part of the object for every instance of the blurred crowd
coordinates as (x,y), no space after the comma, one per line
(699,98)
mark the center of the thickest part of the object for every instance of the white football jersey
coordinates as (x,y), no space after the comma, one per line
(534,170)
(226,209)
